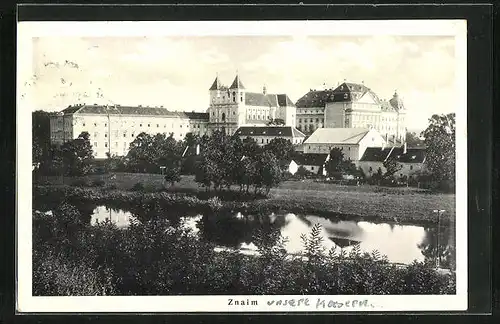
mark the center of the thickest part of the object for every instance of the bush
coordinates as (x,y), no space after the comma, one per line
(138,187)
(81,183)
(154,258)
(98,183)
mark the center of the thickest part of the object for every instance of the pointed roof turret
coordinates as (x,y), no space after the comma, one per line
(237,83)
(216,85)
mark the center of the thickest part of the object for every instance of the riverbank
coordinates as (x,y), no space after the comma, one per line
(339,202)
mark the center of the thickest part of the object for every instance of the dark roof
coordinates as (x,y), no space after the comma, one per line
(237,84)
(267,100)
(197,115)
(377,154)
(133,110)
(346,91)
(285,131)
(284,101)
(216,85)
(72,109)
(310,159)
(396,102)
(314,99)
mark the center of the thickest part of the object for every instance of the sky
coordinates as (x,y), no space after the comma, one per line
(176,72)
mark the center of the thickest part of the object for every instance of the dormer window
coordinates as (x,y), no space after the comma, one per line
(345,95)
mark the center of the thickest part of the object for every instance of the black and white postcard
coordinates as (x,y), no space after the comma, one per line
(242,166)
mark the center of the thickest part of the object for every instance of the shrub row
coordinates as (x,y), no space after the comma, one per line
(154,258)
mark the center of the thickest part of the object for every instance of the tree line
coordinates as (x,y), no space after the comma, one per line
(225,160)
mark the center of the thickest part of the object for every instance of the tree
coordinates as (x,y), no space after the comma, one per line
(77,155)
(282,149)
(439,138)
(391,166)
(338,165)
(250,147)
(40,121)
(413,140)
(268,173)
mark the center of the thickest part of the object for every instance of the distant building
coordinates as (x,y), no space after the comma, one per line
(352,141)
(352,105)
(264,134)
(113,128)
(412,160)
(234,106)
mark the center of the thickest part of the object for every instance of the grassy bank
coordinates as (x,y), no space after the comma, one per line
(71,257)
(355,203)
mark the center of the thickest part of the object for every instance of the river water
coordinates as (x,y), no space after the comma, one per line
(400,243)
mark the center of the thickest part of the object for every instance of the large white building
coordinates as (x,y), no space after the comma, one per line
(113,127)
(352,105)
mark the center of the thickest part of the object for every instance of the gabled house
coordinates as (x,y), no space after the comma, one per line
(412,160)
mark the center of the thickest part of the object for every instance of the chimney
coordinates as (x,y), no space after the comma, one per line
(264,90)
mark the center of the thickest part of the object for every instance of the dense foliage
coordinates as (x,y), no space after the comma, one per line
(439,138)
(226,161)
(71,257)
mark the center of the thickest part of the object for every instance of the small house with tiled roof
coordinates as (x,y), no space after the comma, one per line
(264,134)
(410,160)
(234,106)
(352,141)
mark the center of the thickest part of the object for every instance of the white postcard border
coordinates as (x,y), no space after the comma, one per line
(25,302)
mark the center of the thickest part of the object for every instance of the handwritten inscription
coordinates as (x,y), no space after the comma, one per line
(321,303)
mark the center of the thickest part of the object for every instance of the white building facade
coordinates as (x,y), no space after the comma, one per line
(352,105)
(113,128)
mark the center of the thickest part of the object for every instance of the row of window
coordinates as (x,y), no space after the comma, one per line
(311,120)
(304,111)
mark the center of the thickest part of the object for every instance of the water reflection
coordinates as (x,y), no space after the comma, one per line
(400,243)
(119,217)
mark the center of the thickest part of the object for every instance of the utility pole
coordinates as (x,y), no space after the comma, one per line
(438,255)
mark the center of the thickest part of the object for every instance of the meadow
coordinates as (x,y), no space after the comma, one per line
(405,205)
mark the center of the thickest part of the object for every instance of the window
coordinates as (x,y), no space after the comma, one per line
(124,145)
(95,124)
(312,168)
(241,99)
(317,120)
(371,169)
(262,141)
(149,125)
(116,144)
(106,135)
(411,167)
(181,126)
(95,134)
(311,120)
(95,144)
(105,125)
(267,140)
(132,135)
(124,134)
(83,124)
(140,125)
(165,126)
(105,144)
(234,113)
(157,125)
(300,120)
